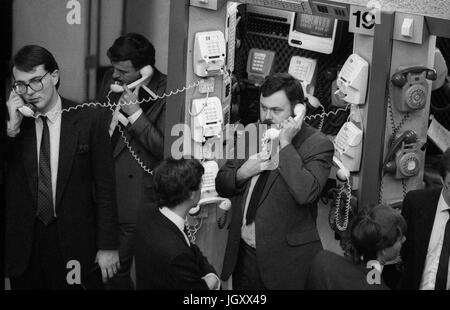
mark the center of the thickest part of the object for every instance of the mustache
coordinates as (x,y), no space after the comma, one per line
(267,122)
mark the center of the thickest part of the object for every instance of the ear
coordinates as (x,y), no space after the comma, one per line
(55,77)
(192,195)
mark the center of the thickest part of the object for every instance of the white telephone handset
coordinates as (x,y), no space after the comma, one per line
(273,133)
(27,110)
(146,73)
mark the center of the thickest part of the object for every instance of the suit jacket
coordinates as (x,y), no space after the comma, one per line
(146,138)
(330,271)
(85,192)
(419,210)
(286,234)
(164,261)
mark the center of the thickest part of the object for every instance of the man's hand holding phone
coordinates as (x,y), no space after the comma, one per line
(127,97)
(15,117)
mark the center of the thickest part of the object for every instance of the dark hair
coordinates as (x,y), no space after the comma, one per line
(31,56)
(133,47)
(444,166)
(175,179)
(283,81)
(375,228)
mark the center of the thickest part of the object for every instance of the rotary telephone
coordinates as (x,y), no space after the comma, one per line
(411,87)
(402,158)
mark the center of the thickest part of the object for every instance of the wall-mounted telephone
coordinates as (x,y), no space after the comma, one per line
(304,69)
(260,64)
(272,134)
(411,87)
(348,146)
(352,80)
(209,53)
(146,72)
(209,194)
(402,158)
(207,118)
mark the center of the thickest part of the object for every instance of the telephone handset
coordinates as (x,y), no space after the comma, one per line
(406,151)
(146,72)
(411,88)
(27,110)
(273,133)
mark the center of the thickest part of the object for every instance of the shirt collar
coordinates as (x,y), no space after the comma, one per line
(442,205)
(173,217)
(54,113)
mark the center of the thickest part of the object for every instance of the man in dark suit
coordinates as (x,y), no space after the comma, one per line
(165,258)
(60,197)
(426,250)
(143,128)
(273,235)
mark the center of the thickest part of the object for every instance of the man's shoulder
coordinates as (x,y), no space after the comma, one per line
(310,136)
(423,194)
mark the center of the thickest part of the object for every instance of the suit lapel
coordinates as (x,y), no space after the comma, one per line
(67,147)
(29,155)
(425,222)
(168,223)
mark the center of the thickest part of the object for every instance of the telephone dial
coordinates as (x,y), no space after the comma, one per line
(402,158)
(146,72)
(411,88)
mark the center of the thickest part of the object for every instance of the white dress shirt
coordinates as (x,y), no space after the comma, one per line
(435,247)
(54,128)
(180,222)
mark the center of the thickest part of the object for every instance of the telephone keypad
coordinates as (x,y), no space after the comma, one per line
(258,62)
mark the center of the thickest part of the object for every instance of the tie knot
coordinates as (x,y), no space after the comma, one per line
(44,120)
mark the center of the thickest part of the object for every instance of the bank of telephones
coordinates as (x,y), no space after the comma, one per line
(209,53)
(348,146)
(352,80)
(260,64)
(146,72)
(403,158)
(304,70)
(210,196)
(411,87)
(207,118)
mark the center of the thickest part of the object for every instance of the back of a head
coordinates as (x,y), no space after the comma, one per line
(31,56)
(283,81)
(133,47)
(375,228)
(175,179)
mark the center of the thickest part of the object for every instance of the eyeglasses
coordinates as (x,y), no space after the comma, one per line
(36,84)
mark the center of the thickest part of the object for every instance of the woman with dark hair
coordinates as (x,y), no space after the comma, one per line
(377,234)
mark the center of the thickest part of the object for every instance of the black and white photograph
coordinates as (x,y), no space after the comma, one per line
(225,151)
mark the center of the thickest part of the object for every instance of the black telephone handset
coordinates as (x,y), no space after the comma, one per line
(405,150)
(411,87)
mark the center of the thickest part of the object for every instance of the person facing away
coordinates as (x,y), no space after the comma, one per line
(273,236)
(142,126)
(165,258)
(427,248)
(376,235)
(60,194)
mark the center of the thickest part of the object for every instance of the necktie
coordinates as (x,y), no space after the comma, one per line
(45,197)
(116,134)
(442,272)
(256,195)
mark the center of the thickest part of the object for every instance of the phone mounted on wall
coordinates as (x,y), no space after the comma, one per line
(403,158)
(411,87)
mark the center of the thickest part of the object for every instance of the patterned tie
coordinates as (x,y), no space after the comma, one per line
(442,272)
(45,197)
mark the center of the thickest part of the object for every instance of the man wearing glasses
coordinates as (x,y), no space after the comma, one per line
(61,218)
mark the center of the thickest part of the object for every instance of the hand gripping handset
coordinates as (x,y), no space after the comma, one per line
(146,73)
(27,110)
(273,133)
